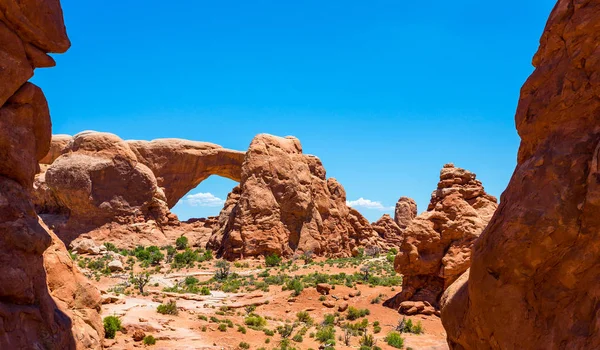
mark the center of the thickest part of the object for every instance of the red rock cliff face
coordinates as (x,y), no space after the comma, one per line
(31,273)
(534,275)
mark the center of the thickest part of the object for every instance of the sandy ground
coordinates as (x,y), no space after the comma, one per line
(188,331)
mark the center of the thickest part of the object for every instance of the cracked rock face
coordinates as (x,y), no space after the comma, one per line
(533,282)
(286,205)
(436,248)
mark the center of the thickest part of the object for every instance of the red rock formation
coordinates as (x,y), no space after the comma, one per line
(436,248)
(534,272)
(406,211)
(286,205)
(388,230)
(180,165)
(29,316)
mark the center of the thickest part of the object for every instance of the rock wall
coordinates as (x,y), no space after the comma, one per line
(534,275)
(437,244)
(286,205)
(29,316)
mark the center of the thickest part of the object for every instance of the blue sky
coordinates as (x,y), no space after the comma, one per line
(384,92)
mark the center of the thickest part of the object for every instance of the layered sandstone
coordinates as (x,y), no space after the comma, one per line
(534,271)
(285,204)
(29,317)
(437,244)
(389,230)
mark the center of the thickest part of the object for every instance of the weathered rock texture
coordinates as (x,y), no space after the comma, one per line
(98,184)
(534,275)
(180,165)
(436,248)
(388,230)
(29,316)
(406,211)
(285,205)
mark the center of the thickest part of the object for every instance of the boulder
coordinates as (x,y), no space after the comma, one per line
(323,288)
(116,266)
(533,282)
(437,244)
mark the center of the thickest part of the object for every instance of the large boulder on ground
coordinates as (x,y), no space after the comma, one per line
(285,205)
(436,248)
(533,282)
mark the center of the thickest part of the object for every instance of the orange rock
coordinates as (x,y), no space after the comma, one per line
(323,288)
(534,270)
(436,248)
(138,335)
(286,205)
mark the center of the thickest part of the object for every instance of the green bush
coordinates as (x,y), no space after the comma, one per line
(112,324)
(394,339)
(304,316)
(222,327)
(273,260)
(354,313)
(149,340)
(269,332)
(325,334)
(111,247)
(241,329)
(169,308)
(297,338)
(329,320)
(256,321)
(181,243)
(205,290)
(244,345)
(407,326)
(296,285)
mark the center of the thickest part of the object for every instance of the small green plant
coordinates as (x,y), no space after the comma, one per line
(181,243)
(222,327)
(394,339)
(149,340)
(272,260)
(255,321)
(304,316)
(241,329)
(269,332)
(140,280)
(407,326)
(367,340)
(222,270)
(322,298)
(329,320)
(169,308)
(112,324)
(244,345)
(325,334)
(205,290)
(354,313)
(297,338)
(295,285)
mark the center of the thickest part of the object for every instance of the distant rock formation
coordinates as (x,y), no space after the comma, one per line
(29,317)
(96,183)
(406,211)
(180,165)
(436,248)
(389,230)
(533,282)
(286,205)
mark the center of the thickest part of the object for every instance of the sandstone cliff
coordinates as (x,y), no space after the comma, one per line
(534,271)
(436,248)
(285,205)
(29,316)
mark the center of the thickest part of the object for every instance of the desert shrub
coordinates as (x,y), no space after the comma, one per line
(269,332)
(255,321)
(149,340)
(407,326)
(354,313)
(244,345)
(329,320)
(169,308)
(308,256)
(295,285)
(181,243)
(112,324)
(325,334)
(111,247)
(304,316)
(394,339)
(205,290)
(272,260)
(188,257)
(222,327)
(297,338)
(367,340)
(241,329)
(222,270)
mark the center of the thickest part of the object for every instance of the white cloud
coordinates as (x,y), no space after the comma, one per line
(204,200)
(367,204)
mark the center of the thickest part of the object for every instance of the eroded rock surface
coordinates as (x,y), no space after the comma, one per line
(406,211)
(388,230)
(285,205)
(533,282)
(437,244)
(29,317)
